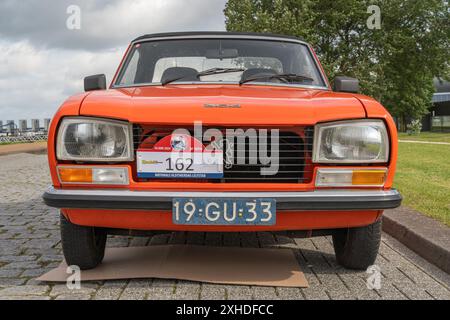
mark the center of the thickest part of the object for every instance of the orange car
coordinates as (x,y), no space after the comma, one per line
(219,132)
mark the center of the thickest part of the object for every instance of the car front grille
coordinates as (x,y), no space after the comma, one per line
(295,147)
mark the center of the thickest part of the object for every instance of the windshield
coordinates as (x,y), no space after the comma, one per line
(224,60)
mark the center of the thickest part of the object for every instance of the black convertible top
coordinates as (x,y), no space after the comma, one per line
(214,33)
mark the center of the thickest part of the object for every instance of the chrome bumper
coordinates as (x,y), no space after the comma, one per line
(286,201)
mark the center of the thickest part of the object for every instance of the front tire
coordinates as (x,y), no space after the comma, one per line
(82,246)
(357,248)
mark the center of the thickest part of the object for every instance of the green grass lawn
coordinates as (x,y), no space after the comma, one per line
(7,143)
(426,136)
(423,177)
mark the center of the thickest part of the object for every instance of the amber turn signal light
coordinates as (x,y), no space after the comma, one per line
(75,175)
(93,175)
(350,177)
(368,177)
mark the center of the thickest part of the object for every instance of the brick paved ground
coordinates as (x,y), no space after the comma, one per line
(30,246)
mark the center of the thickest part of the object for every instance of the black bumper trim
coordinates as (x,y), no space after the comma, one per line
(286,201)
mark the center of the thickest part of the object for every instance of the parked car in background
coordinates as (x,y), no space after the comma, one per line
(221,132)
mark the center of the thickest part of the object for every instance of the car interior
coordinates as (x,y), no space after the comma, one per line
(160,61)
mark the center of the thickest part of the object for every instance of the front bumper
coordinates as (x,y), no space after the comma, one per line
(162,200)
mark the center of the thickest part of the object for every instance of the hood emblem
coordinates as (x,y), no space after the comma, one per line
(178,143)
(221,105)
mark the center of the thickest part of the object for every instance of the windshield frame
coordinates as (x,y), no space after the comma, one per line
(128,55)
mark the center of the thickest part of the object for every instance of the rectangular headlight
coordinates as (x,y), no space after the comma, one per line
(89,139)
(354,141)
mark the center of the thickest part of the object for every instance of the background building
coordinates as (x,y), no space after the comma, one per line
(439,117)
(23,125)
(35,125)
(46,124)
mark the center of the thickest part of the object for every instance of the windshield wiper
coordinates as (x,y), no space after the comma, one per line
(207,72)
(286,77)
(218,71)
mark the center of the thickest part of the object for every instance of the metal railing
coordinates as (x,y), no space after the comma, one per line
(10,132)
(23,138)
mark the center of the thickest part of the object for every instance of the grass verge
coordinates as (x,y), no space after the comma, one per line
(423,178)
(426,136)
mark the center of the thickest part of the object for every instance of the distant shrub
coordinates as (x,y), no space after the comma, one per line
(414,127)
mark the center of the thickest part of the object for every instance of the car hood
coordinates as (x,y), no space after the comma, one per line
(222,104)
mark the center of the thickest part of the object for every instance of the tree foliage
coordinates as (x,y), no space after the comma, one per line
(395,64)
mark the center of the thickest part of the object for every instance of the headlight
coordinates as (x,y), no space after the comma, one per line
(358,141)
(88,139)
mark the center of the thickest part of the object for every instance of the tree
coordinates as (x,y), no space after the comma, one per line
(395,64)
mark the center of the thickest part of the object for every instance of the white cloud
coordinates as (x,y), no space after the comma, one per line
(33,83)
(42,63)
(105,24)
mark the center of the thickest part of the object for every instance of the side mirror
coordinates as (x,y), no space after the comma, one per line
(346,84)
(95,82)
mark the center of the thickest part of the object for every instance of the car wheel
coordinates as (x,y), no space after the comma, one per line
(82,246)
(357,248)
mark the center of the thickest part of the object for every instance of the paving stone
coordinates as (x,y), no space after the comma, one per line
(332,285)
(187,290)
(17,258)
(117,242)
(264,293)
(7,236)
(12,243)
(118,284)
(27,235)
(24,290)
(289,293)
(40,243)
(266,239)
(108,293)
(11,282)
(49,258)
(161,289)
(34,273)
(10,251)
(39,251)
(133,294)
(18,222)
(10,273)
(239,292)
(21,265)
(159,239)
(86,288)
(139,242)
(74,297)
(213,292)
(23,297)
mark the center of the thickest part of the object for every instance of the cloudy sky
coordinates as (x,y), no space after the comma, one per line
(42,61)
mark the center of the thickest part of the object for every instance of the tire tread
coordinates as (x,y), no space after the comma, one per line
(357,248)
(82,246)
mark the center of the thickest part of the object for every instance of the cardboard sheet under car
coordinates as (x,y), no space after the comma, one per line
(222,265)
